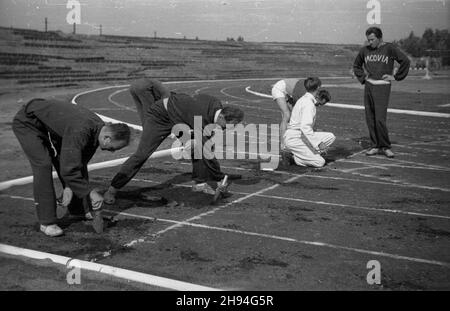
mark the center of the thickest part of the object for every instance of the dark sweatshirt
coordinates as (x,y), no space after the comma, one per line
(74,132)
(181,109)
(380,61)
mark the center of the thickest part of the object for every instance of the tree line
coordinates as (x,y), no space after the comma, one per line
(432,43)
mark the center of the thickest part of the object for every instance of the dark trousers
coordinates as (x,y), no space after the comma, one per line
(203,169)
(36,144)
(376,100)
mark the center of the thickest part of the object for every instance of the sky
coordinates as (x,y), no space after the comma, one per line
(318,21)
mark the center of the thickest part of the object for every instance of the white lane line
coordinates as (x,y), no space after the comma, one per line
(246,195)
(237,97)
(288,239)
(117,103)
(391,110)
(386,181)
(105,269)
(419,166)
(444,105)
(397,181)
(175,152)
(327,204)
(177,224)
(364,168)
(197,91)
(198,217)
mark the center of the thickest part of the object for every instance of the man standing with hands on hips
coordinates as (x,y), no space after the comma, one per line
(377,58)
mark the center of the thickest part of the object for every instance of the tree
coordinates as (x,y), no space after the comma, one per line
(412,45)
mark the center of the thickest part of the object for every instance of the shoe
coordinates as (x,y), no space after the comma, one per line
(52,230)
(388,152)
(203,187)
(286,158)
(221,190)
(373,151)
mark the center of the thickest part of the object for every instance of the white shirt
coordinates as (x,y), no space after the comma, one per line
(303,116)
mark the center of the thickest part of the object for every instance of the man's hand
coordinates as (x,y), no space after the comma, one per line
(110,195)
(388,78)
(322,147)
(96,199)
(67,196)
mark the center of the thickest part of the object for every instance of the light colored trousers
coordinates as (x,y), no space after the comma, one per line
(303,154)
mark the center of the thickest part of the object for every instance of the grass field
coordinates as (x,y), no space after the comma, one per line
(291,229)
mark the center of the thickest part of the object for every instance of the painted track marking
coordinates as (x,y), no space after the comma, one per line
(129,275)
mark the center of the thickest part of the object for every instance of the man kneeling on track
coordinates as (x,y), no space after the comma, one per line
(67,136)
(300,138)
(162,110)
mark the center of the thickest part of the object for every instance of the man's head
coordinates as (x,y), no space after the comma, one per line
(230,115)
(312,84)
(374,37)
(322,97)
(114,136)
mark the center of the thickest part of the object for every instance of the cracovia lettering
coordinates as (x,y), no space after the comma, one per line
(187,301)
(377,58)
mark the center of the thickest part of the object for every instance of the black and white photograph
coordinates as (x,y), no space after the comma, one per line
(225,151)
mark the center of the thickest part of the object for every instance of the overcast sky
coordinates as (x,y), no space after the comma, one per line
(324,21)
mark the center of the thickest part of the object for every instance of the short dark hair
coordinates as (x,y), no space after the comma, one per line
(376,31)
(232,114)
(312,84)
(323,95)
(120,132)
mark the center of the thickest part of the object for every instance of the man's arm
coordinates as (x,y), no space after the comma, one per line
(404,62)
(358,67)
(71,162)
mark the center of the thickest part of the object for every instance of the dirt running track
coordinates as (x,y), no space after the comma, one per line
(291,229)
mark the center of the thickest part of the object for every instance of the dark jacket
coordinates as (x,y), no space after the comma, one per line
(183,108)
(74,132)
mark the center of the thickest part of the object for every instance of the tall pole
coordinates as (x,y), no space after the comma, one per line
(74,28)
(46,24)
(101,30)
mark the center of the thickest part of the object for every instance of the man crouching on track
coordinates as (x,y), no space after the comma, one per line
(300,138)
(162,110)
(67,136)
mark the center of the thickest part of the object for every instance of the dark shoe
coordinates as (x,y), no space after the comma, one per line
(388,152)
(372,151)
(286,158)
(221,190)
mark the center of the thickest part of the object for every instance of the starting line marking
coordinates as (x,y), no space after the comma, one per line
(198,217)
(105,269)
(314,243)
(391,110)
(276,237)
(394,211)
